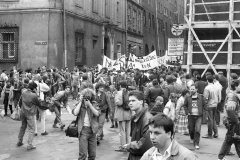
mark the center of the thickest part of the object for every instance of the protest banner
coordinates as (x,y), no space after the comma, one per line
(114,64)
(143,63)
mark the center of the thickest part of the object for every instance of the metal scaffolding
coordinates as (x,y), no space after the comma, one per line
(213,40)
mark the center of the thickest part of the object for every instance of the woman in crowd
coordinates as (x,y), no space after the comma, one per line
(181,117)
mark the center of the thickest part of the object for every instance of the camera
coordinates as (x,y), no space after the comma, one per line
(86,98)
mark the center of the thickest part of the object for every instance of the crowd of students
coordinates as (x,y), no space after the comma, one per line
(142,104)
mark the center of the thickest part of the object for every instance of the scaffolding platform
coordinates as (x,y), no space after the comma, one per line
(212,36)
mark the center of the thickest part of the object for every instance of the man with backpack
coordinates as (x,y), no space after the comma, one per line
(123,114)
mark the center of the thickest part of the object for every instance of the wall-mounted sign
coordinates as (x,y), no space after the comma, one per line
(41,43)
(175,46)
(177,30)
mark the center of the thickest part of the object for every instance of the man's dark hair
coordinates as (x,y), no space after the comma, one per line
(85,77)
(210,78)
(32,85)
(216,77)
(26,81)
(162,120)
(188,76)
(155,82)
(98,85)
(68,86)
(139,95)
(233,85)
(184,92)
(123,84)
(198,77)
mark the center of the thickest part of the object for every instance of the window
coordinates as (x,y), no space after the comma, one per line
(94,6)
(119,51)
(80,57)
(134,19)
(107,8)
(153,22)
(139,22)
(165,11)
(149,19)
(144,18)
(118,13)
(8,44)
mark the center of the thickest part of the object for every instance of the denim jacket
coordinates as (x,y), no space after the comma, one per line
(92,118)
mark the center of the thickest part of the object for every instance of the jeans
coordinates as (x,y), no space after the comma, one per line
(43,121)
(219,110)
(124,127)
(194,125)
(57,110)
(87,144)
(212,127)
(100,124)
(6,106)
(74,91)
(229,140)
(27,121)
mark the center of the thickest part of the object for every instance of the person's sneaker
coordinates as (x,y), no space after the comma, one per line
(230,154)
(222,159)
(197,147)
(62,126)
(112,126)
(31,147)
(19,144)
(215,136)
(35,134)
(207,136)
(44,133)
(55,126)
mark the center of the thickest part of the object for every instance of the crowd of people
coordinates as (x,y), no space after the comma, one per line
(148,107)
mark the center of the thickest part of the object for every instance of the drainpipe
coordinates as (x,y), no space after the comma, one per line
(126,8)
(64,34)
(158,47)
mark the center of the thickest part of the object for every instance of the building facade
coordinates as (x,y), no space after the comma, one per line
(60,33)
(159,17)
(135,27)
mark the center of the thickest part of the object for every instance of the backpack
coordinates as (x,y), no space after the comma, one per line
(125,100)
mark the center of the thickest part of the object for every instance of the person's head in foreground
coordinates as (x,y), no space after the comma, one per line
(161,129)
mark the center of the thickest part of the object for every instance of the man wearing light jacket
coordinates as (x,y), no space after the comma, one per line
(212,98)
(41,89)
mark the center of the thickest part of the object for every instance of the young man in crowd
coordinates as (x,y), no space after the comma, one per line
(140,141)
(103,103)
(161,129)
(88,114)
(194,105)
(30,104)
(212,99)
(59,98)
